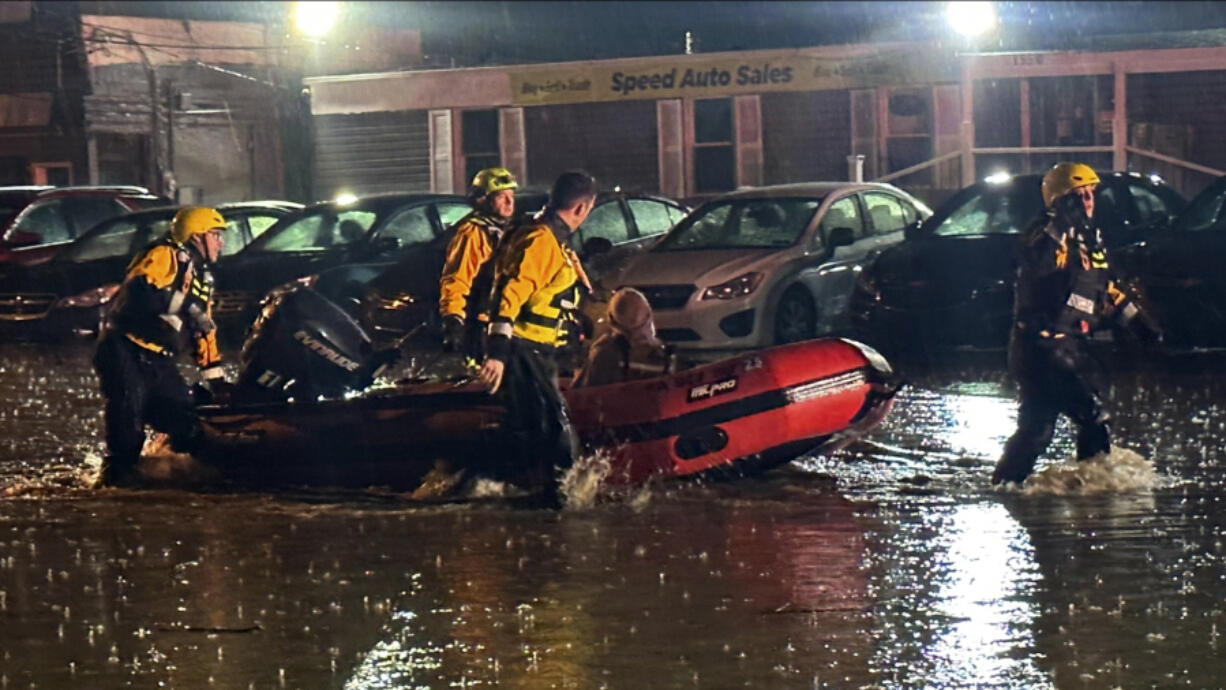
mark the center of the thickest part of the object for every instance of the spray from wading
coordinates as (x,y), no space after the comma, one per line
(1119,471)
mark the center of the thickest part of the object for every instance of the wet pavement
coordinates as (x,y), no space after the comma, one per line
(889,565)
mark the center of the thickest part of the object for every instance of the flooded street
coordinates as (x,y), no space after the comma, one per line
(890,565)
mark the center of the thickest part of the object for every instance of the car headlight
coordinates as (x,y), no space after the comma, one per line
(283,288)
(737,287)
(93,297)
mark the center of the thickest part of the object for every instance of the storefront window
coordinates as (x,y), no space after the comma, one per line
(714,156)
(479,141)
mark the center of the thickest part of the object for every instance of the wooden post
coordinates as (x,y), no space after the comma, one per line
(442,177)
(670,147)
(883,131)
(968,123)
(1024,97)
(1119,120)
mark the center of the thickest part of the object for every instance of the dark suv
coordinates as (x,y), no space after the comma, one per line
(949,284)
(40,221)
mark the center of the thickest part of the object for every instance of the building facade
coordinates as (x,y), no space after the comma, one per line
(689,126)
(684,126)
(41,125)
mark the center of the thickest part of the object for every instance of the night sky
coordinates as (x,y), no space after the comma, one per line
(489,33)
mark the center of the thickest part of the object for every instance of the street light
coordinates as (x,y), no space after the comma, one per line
(971,18)
(315,18)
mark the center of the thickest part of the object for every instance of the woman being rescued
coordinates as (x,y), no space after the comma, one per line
(629,351)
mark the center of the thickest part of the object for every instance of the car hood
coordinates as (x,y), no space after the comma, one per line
(698,266)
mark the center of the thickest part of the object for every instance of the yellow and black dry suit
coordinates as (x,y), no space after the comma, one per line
(535,292)
(536,285)
(1065,290)
(165,296)
(468,276)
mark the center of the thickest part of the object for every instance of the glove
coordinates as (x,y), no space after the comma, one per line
(453,333)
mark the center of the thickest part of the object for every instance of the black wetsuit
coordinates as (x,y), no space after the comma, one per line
(1064,291)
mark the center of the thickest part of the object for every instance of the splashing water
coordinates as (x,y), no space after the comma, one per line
(1119,471)
(582,482)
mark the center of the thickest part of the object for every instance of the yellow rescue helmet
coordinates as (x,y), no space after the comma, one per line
(195,220)
(1064,178)
(492,180)
(629,310)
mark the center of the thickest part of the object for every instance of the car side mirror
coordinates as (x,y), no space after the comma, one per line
(596,246)
(24,238)
(840,237)
(912,229)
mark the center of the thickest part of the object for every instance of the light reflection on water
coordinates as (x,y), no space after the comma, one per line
(890,565)
(985,578)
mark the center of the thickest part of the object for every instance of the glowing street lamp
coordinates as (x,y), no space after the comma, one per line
(971,18)
(315,18)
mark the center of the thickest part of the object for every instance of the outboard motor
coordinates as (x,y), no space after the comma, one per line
(303,346)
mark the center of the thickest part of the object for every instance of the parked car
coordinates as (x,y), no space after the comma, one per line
(622,225)
(404,296)
(950,283)
(767,265)
(68,293)
(1180,271)
(369,232)
(45,220)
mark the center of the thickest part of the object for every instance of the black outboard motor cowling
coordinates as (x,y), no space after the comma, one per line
(303,346)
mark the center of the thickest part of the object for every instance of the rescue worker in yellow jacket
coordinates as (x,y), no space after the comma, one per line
(536,288)
(467,276)
(165,296)
(630,350)
(1065,292)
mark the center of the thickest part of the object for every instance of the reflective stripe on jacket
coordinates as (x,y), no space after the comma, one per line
(468,273)
(1065,284)
(535,283)
(167,288)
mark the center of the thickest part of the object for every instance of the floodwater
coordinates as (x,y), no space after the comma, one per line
(891,565)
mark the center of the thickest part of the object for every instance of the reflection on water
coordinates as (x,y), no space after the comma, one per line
(985,579)
(891,565)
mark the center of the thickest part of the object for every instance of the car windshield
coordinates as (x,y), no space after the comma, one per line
(112,239)
(992,210)
(317,231)
(1205,211)
(742,224)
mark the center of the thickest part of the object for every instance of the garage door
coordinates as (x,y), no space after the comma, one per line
(366,153)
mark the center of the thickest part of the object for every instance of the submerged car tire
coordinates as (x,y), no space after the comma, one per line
(795,317)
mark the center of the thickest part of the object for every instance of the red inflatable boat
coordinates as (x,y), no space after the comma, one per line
(746,413)
(736,416)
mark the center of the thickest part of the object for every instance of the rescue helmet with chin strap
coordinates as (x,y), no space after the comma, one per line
(491,180)
(1064,178)
(195,220)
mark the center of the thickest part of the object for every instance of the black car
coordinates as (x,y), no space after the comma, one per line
(949,284)
(376,230)
(404,296)
(621,225)
(67,294)
(1181,272)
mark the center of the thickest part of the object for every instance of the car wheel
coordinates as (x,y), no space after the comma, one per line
(795,317)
